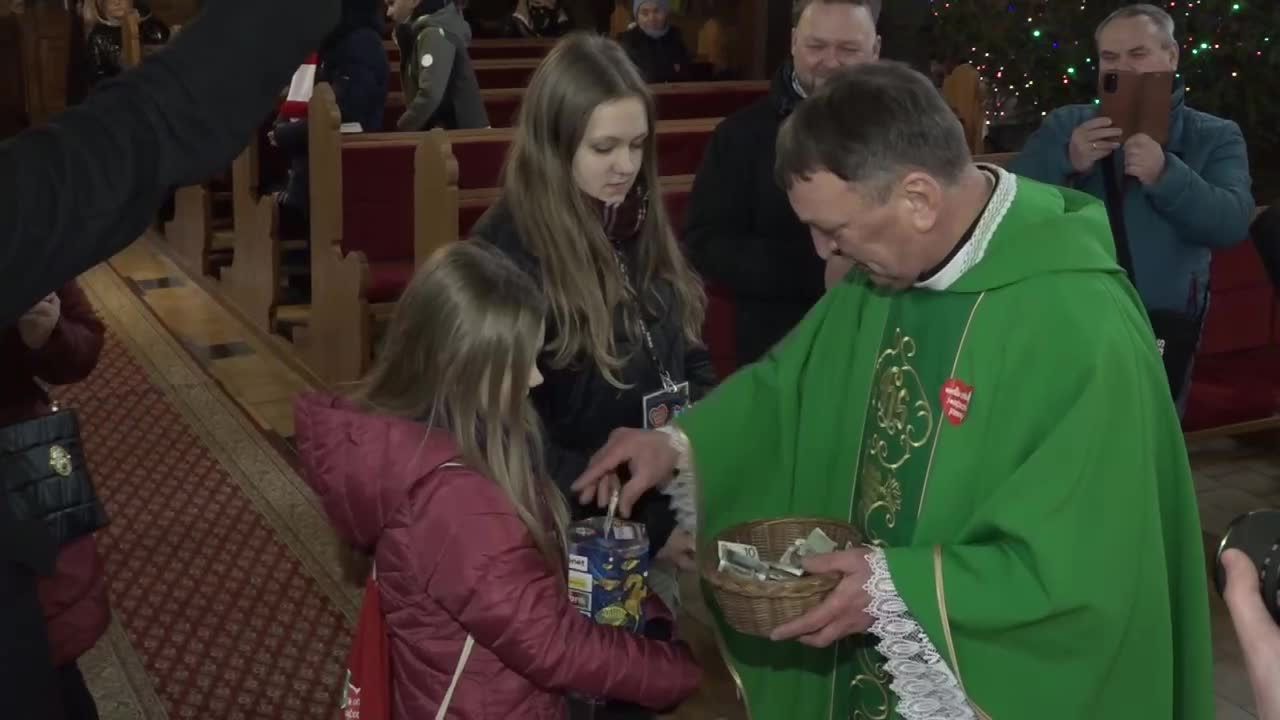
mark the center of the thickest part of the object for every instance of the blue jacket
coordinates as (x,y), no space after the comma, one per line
(1201,203)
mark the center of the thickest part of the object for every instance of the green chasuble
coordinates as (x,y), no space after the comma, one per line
(1010,442)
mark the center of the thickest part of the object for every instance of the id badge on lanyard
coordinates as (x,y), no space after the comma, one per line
(665,405)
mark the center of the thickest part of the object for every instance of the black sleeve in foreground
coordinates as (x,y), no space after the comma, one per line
(84,186)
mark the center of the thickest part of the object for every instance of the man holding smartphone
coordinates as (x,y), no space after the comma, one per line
(1170,205)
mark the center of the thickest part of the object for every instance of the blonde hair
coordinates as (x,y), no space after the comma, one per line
(457,356)
(580,274)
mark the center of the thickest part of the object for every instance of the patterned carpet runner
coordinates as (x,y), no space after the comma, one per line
(227,620)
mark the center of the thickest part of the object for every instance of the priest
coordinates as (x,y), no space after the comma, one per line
(982,397)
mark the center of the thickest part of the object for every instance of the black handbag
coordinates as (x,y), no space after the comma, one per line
(45,478)
(1177,333)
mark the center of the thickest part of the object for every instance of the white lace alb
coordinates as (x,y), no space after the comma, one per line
(681,489)
(925,686)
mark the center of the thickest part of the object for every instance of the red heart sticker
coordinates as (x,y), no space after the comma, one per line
(956,395)
(658,416)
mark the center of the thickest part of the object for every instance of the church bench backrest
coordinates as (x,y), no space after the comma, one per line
(377,195)
(492,49)
(480,154)
(472,204)
(509,48)
(675,101)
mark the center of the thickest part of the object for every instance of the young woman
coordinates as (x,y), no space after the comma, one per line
(436,468)
(582,213)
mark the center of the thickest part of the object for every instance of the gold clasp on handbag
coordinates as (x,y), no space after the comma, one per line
(60,460)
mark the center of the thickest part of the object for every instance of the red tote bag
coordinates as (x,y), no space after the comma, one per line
(366,695)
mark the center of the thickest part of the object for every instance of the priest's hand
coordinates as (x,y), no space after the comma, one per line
(844,612)
(1259,636)
(649,456)
(1144,159)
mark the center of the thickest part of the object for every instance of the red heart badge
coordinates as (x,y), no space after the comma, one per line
(658,416)
(956,395)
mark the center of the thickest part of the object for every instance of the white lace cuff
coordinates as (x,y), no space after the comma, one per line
(925,686)
(682,489)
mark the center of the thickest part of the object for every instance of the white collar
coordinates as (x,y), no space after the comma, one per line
(974,250)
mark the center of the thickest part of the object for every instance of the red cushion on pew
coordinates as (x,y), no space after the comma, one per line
(677,206)
(512,51)
(503,77)
(387,280)
(719,103)
(395,81)
(680,153)
(1236,267)
(502,111)
(1275,323)
(480,162)
(718,332)
(391,113)
(1234,387)
(377,201)
(468,216)
(1239,319)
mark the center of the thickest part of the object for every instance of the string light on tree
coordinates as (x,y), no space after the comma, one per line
(1036,55)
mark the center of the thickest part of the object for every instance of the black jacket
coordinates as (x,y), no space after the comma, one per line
(81,188)
(741,231)
(579,408)
(660,60)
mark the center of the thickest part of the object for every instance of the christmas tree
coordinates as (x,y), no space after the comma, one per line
(1037,55)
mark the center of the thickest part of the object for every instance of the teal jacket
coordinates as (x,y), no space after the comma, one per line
(1202,202)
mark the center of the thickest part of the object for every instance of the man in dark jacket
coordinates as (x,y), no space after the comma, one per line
(354,62)
(654,45)
(742,234)
(78,190)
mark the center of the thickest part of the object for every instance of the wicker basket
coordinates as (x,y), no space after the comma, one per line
(754,607)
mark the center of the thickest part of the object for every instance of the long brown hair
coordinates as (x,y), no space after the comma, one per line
(580,274)
(457,356)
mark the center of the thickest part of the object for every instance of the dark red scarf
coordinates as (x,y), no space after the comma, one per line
(622,222)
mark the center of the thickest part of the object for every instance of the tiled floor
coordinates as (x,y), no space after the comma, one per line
(1231,477)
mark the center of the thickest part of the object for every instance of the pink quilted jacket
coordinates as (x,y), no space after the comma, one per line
(453,558)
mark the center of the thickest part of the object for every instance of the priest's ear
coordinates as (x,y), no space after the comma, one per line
(920,200)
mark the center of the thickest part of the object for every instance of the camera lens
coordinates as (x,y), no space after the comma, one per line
(1256,534)
(1110,82)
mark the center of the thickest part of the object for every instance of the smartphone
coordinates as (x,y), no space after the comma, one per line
(1138,103)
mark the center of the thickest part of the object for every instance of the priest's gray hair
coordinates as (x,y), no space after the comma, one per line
(1162,21)
(870,125)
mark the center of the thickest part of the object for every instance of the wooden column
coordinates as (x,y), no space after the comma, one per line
(45,33)
(13,95)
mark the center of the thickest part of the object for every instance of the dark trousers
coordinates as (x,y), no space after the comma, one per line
(77,703)
(28,683)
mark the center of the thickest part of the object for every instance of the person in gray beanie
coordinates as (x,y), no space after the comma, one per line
(654,45)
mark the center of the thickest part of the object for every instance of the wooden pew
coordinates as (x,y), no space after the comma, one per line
(368,236)
(253,281)
(492,48)
(675,101)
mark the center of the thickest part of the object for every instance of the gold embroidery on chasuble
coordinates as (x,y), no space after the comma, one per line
(871,684)
(901,421)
